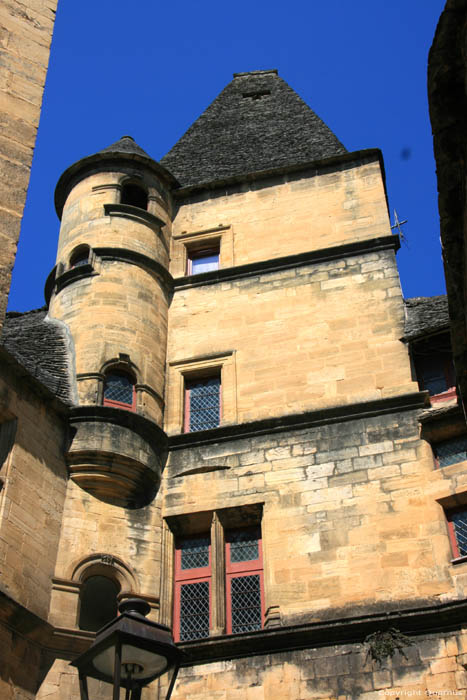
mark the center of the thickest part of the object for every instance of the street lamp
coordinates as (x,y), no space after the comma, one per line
(129,652)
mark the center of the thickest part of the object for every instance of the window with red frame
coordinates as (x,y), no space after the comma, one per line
(119,391)
(192,599)
(435,368)
(244,580)
(202,404)
(457,526)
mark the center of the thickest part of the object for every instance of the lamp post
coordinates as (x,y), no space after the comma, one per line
(129,652)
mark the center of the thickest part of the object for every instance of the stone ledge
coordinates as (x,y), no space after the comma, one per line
(425,618)
(299,421)
(313,257)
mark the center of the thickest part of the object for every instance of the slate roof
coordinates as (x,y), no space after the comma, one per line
(425,315)
(256,123)
(126,144)
(41,346)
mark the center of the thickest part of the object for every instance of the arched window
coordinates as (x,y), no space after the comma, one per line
(119,390)
(98,602)
(79,257)
(134,195)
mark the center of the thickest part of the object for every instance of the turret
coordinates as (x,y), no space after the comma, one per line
(111,287)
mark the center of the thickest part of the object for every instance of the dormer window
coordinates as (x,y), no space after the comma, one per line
(119,390)
(135,196)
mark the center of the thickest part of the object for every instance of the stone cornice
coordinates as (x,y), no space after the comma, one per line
(300,421)
(425,618)
(313,257)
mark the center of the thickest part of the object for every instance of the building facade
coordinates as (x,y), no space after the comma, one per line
(228,409)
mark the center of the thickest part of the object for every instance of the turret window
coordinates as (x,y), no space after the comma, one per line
(119,391)
(98,602)
(135,196)
(80,257)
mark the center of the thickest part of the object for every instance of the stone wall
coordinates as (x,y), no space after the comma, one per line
(26,33)
(310,336)
(432,667)
(314,209)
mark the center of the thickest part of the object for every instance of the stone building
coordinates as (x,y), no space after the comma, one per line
(228,410)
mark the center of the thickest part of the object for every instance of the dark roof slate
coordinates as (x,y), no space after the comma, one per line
(425,315)
(41,346)
(126,144)
(256,123)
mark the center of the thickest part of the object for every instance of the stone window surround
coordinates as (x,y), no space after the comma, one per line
(214,522)
(218,238)
(180,370)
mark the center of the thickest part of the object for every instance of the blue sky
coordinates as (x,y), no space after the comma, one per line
(150,68)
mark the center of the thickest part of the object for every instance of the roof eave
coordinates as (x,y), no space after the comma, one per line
(369,153)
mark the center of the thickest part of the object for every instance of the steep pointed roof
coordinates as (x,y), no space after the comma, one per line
(256,123)
(125,149)
(126,144)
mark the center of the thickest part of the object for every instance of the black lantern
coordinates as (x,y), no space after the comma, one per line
(129,652)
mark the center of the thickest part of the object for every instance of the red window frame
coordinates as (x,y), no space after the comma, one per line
(182,576)
(451,531)
(121,404)
(186,409)
(243,568)
(201,253)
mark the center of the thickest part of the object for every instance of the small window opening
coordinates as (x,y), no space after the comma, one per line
(203,260)
(451,451)
(135,196)
(457,527)
(79,258)
(202,403)
(98,603)
(119,390)
(434,367)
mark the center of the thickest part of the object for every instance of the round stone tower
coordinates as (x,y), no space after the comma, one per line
(112,288)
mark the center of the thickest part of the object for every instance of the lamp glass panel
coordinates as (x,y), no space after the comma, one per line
(151,664)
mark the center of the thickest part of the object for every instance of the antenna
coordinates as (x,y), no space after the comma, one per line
(397,225)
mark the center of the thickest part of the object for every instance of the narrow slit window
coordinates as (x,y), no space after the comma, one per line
(202,404)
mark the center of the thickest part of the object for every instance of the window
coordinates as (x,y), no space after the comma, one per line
(457,525)
(79,257)
(244,580)
(451,451)
(434,367)
(134,195)
(202,261)
(119,390)
(192,608)
(202,404)
(241,581)
(98,603)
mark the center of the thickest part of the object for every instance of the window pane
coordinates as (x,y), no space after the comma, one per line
(451,451)
(459,521)
(195,553)
(204,398)
(205,263)
(246,603)
(194,610)
(118,387)
(243,545)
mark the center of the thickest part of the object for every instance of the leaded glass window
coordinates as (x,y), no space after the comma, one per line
(194,610)
(457,520)
(118,387)
(246,603)
(202,404)
(451,451)
(194,553)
